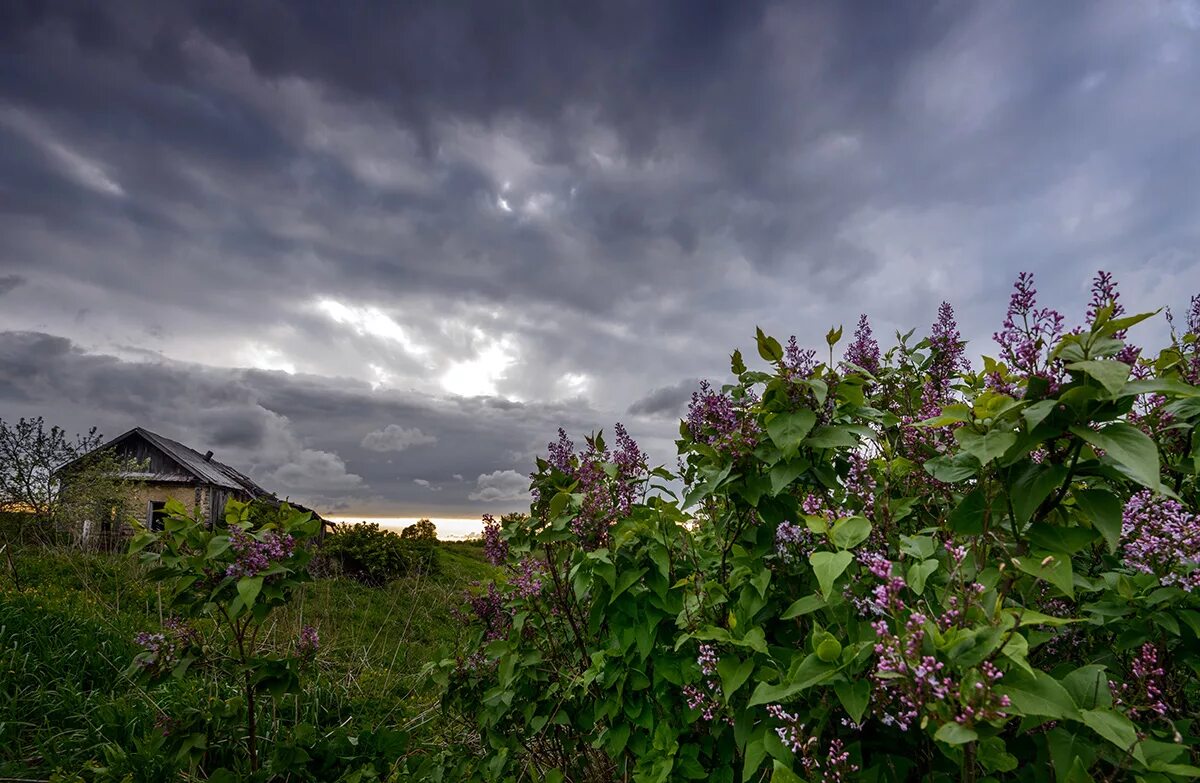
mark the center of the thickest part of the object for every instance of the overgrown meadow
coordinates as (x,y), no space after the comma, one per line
(884,565)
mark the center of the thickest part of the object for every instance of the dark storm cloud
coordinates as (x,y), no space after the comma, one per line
(666,401)
(542,212)
(297,435)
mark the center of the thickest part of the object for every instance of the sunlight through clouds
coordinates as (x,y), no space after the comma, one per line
(370,321)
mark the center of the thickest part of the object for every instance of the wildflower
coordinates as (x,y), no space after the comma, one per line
(163,650)
(308,643)
(1105,294)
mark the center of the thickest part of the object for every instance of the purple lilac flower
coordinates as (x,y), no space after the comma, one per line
(716,419)
(793,736)
(698,699)
(860,485)
(255,555)
(1160,537)
(308,643)
(980,702)
(488,610)
(1028,334)
(793,541)
(1143,694)
(838,767)
(706,698)
(798,362)
(949,355)
(161,651)
(1105,294)
(561,452)
(864,351)
(495,548)
(905,681)
(708,660)
(529,577)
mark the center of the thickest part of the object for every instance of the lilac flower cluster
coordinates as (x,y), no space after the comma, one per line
(705,699)
(163,650)
(981,702)
(605,498)
(904,680)
(798,362)
(255,555)
(793,542)
(957,607)
(793,737)
(488,610)
(701,700)
(885,597)
(1027,336)
(837,766)
(717,420)
(1160,537)
(308,643)
(949,359)
(561,453)
(864,351)
(495,548)
(1143,695)
(527,581)
(1105,294)
(860,485)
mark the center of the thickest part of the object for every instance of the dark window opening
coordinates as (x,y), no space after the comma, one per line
(157,512)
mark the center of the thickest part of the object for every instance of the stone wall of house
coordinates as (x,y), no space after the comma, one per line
(190,495)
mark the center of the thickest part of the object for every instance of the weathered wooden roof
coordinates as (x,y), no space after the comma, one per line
(208,471)
(195,467)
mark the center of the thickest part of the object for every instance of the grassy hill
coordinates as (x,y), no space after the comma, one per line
(66,641)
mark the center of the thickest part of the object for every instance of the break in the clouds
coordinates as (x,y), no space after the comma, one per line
(357,248)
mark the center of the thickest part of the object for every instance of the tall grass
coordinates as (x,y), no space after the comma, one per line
(66,640)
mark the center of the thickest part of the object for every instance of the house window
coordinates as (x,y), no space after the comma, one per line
(156,512)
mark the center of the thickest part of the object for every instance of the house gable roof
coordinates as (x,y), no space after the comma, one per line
(192,464)
(209,471)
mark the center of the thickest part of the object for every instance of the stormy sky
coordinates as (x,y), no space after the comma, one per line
(375,254)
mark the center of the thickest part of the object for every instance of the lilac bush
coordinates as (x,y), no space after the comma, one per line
(898,566)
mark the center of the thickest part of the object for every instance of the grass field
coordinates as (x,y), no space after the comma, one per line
(66,640)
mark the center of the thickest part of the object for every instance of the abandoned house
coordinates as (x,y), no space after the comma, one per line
(172,470)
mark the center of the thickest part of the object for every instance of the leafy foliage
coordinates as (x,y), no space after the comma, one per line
(887,568)
(375,556)
(223,584)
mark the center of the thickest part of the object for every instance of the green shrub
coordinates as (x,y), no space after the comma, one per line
(374,556)
(889,568)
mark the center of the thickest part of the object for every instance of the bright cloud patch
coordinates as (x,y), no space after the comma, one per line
(393,437)
(477,377)
(501,486)
(370,321)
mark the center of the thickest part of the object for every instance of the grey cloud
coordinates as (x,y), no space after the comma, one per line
(298,435)
(9,282)
(393,437)
(666,400)
(556,210)
(501,486)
